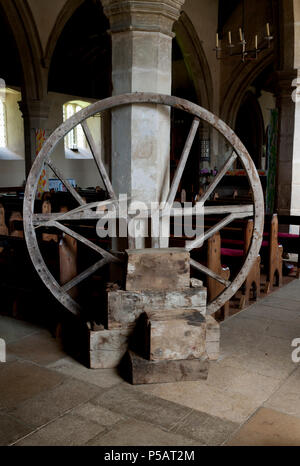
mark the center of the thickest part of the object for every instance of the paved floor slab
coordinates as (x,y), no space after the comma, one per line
(69,430)
(133,403)
(11,429)
(287,397)
(137,433)
(12,329)
(251,395)
(21,380)
(104,378)
(52,403)
(268,428)
(40,348)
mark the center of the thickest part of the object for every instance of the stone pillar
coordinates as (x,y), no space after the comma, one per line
(286,147)
(35,114)
(141,33)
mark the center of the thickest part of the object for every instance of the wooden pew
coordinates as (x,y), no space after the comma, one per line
(214,288)
(253,280)
(290,242)
(235,247)
(13,229)
(271,252)
(68,259)
(274,262)
(3,227)
(47,209)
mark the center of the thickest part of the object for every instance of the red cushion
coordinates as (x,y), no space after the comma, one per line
(287,235)
(282,235)
(232,252)
(240,242)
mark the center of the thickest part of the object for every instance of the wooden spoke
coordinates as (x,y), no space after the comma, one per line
(155,229)
(80,213)
(209,272)
(183,160)
(218,178)
(85,241)
(69,187)
(97,157)
(84,275)
(244,210)
(198,242)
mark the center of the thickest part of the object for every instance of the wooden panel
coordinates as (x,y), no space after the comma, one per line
(158,269)
(275,257)
(107,347)
(175,335)
(214,288)
(3,227)
(124,307)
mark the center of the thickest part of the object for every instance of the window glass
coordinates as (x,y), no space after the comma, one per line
(75,139)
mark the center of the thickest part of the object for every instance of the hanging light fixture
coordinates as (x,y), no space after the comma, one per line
(244,53)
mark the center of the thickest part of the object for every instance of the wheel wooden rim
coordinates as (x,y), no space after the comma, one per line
(239,151)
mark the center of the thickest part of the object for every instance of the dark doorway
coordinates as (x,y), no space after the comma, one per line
(249,127)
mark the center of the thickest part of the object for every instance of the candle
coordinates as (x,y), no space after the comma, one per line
(229,37)
(268,29)
(256,42)
(241,34)
(217,40)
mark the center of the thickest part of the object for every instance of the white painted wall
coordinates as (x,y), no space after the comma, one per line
(12,163)
(84,171)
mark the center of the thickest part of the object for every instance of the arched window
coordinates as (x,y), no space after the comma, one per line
(3,128)
(75,139)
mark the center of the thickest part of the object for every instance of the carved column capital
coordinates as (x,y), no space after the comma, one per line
(142,15)
(35,110)
(286,83)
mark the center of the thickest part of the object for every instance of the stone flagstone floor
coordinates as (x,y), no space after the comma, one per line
(251,397)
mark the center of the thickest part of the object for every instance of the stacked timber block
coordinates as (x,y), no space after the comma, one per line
(172,349)
(158,322)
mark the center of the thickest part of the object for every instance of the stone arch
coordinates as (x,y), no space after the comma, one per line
(244,77)
(65,14)
(195,59)
(21,22)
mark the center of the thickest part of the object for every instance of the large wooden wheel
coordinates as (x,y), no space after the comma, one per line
(85,211)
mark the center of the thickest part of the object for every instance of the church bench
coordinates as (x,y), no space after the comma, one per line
(290,242)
